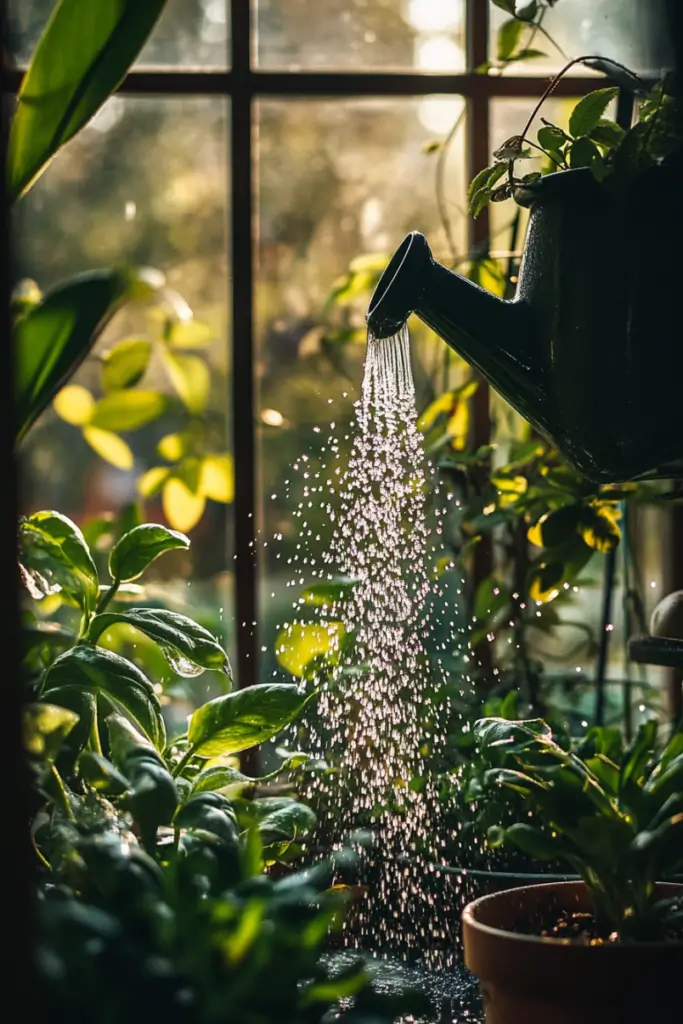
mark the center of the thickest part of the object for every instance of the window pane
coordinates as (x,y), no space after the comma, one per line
(423,35)
(190,33)
(340,184)
(626,31)
(144,184)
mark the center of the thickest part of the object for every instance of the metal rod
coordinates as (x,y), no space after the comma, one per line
(242,379)
(193,82)
(605,634)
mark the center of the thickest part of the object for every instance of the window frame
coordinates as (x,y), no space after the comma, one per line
(242,85)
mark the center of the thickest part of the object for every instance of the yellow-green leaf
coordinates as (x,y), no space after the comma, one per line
(128,410)
(74,404)
(182,508)
(458,426)
(191,379)
(189,334)
(45,726)
(172,447)
(109,446)
(151,482)
(298,644)
(599,526)
(217,480)
(126,363)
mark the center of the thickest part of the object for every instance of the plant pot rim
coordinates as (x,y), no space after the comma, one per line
(575,889)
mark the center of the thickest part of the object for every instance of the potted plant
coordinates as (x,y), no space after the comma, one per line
(605,948)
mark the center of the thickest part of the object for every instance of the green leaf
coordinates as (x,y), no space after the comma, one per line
(532,841)
(245,718)
(589,110)
(607,133)
(220,776)
(636,758)
(551,137)
(528,12)
(54,337)
(288,822)
(128,410)
(153,798)
(74,404)
(110,447)
(488,177)
(84,706)
(189,334)
(116,679)
(209,812)
(138,548)
(180,639)
(297,645)
(101,774)
(329,592)
(555,527)
(584,153)
(45,727)
(599,526)
(505,5)
(126,363)
(60,538)
(151,482)
(81,57)
(191,379)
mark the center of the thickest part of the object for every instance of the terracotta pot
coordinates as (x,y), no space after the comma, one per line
(527,979)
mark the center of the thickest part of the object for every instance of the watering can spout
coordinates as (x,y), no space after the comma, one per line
(499,338)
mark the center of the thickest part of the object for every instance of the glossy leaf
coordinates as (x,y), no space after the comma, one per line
(182,508)
(110,447)
(179,637)
(555,527)
(589,110)
(290,821)
(128,410)
(54,337)
(101,774)
(82,55)
(153,798)
(74,404)
(45,727)
(245,718)
(209,812)
(138,548)
(83,704)
(126,363)
(118,680)
(220,777)
(297,645)
(54,553)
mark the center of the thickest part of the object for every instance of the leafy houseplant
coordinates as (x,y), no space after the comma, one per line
(152,854)
(614,816)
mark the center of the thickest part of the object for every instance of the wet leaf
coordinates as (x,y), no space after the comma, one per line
(299,644)
(45,727)
(244,718)
(138,548)
(173,633)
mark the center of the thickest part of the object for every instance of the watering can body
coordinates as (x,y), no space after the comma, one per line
(590,350)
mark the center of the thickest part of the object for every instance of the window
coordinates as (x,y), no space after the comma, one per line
(252,153)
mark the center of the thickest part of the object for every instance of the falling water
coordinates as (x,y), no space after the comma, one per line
(380,714)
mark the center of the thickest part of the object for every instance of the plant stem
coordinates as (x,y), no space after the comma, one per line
(183,762)
(62,795)
(107,597)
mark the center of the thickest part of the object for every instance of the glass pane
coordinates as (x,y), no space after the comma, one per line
(190,33)
(332,35)
(340,184)
(145,184)
(624,30)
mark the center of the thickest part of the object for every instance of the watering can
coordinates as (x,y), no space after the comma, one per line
(590,349)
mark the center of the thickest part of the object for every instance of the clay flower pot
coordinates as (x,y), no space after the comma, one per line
(527,979)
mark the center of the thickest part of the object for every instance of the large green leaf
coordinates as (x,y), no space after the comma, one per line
(56,559)
(116,679)
(186,645)
(45,726)
(138,548)
(588,111)
(209,812)
(243,719)
(128,410)
(54,337)
(81,57)
(126,363)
